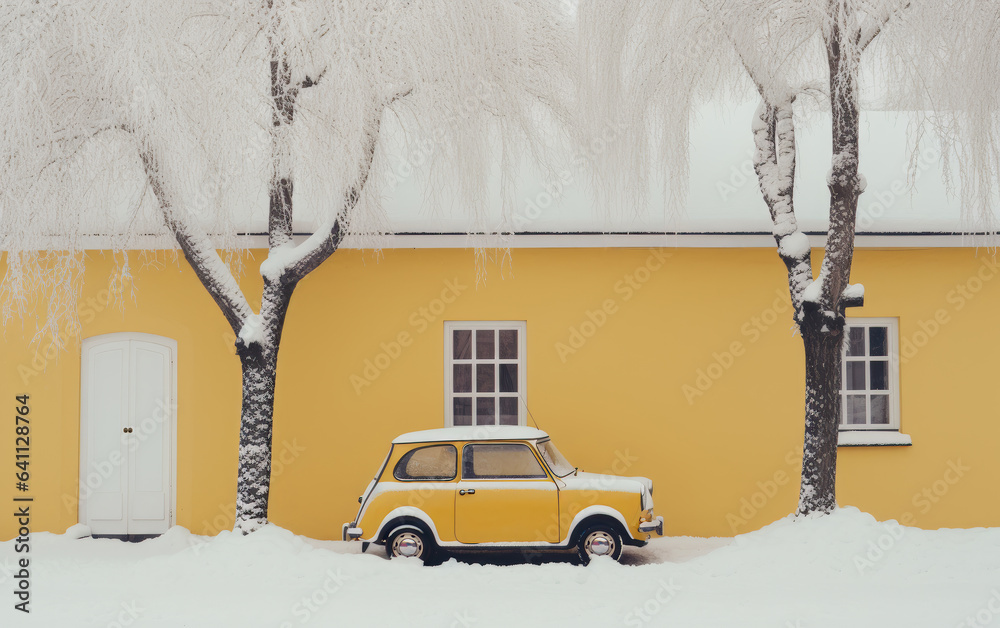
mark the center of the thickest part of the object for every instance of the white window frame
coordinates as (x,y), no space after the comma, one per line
(522,379)
(892,340)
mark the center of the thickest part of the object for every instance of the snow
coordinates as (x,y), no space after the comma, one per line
(252,330)
(854,291)
(795,245)
(724,194)
(813,291)
(859,438)
(477,432)
(584,481)
(846,569)
(277,261)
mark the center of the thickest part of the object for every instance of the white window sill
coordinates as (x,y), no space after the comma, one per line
(872,438)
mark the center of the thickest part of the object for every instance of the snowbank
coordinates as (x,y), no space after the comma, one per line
(846,569)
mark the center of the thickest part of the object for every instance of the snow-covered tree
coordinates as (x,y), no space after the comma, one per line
(652,62)
(154,122)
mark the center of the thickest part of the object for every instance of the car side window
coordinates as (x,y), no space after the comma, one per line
(437,462)
(500,461)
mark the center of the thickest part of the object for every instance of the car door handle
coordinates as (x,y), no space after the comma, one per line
(470,491)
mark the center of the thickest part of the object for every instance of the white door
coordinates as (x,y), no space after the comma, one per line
(127,427)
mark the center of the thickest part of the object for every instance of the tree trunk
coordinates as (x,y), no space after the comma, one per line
(254,474)
(259,360)
(823,319)
(819,452)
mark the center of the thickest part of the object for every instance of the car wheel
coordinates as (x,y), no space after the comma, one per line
(409,542)
(599,540)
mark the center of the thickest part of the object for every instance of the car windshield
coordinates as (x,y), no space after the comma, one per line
(557,463)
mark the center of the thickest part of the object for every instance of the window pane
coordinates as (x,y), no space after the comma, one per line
(880,409)
(508,344)
(508,410)
(462,341)
(877,344)
(484,344)
(880,375)
(461,413)
(854,408)
(486,411)
(855,376)
(500,462)
(508,378)
(856,341)
(439,462)
(462,378)
(485,378)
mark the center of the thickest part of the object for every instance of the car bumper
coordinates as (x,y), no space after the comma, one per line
(350,533)
(656,525)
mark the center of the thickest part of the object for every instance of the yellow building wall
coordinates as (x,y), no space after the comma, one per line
(676,364)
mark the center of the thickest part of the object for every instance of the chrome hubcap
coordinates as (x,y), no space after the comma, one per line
(407,545)
(600,544)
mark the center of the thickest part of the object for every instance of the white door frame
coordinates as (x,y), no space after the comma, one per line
(96,341)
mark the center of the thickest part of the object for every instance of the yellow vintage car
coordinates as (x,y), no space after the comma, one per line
(497,488)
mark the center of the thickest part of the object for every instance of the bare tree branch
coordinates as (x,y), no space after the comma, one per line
(213,273)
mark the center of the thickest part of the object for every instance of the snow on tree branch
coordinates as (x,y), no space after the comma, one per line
(774,162)
(213,273)
(190,79)
(658,62)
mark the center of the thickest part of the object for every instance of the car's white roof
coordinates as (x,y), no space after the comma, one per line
(475,432)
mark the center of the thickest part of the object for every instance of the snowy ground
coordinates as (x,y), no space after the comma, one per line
(843,570)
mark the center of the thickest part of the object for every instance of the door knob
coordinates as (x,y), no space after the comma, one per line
(127,430)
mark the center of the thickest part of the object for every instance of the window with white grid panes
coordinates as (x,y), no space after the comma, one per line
(484,373)
(869,389)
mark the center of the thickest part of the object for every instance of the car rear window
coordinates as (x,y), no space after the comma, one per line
(500,461)
(436,462)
